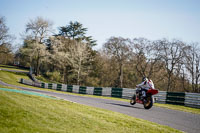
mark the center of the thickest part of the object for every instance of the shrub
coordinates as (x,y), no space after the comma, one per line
(54,76)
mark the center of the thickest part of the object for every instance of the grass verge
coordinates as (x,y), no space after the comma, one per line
(179,107)
(12,77)
(26,113)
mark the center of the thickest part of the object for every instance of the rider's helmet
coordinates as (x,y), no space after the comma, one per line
(144,79)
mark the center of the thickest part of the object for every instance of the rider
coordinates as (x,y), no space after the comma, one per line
(145,86)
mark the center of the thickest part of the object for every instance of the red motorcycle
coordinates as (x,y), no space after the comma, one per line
(146,101)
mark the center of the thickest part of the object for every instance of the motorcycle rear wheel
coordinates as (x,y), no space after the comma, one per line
(148,103)
(133,100)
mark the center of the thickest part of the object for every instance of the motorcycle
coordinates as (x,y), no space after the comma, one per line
(146,101)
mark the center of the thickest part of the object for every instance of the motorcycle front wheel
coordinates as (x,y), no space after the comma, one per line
(133,100)
(148,102)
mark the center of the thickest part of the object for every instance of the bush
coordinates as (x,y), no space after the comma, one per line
(54,76)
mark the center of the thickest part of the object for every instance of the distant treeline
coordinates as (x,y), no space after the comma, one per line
(68,57)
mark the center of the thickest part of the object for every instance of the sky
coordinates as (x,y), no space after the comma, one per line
(151,19)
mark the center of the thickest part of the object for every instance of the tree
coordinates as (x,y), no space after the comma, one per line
(171,53)
(4,35)
(71,54)
(39,29)
(108,70)
(75,31)
(6,55)
(35,52)
(59,55)
(192,64)
(119,49)
(80,56)
(146,58)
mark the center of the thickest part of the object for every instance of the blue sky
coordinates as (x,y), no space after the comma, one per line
(152,19)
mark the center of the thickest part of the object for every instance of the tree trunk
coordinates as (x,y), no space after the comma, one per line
(65,75)
(38,66)
(121,75)
(169,83)
(78,76)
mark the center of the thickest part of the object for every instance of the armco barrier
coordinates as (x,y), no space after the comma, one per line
(43,85)
(54,86)
(127,93)
(90,90)
(64,87)
(192,100)
(69,88)
(97,91)
(59,87)
(75,89)
(82,90)
(178,98)
(106,91)
(116,92)
(29,82)
(161,97)
(50,86)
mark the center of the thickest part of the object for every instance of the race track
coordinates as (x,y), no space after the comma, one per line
(183,121)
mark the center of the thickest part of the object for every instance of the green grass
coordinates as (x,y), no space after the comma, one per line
(13,78)
(42,79)
(25,113)
(179,107)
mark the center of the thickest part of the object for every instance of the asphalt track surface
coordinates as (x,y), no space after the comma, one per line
(10,70)
(183,121)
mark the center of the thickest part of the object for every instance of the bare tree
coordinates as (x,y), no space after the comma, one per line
(146,60)
(80,55)
(171,54)
(4,35)
(5,43)
(36,32)
(39,29)
(192,64)
(119,48)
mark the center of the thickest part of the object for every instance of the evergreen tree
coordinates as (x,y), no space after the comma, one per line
(75,31)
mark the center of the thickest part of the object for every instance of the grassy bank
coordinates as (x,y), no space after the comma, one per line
(25,113)
(12,77)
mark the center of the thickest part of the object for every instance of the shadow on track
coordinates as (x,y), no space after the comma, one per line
(123,105)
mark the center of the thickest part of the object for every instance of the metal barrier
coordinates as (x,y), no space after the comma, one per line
(192,100)
(160,97)
(30,82)
(177,98)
